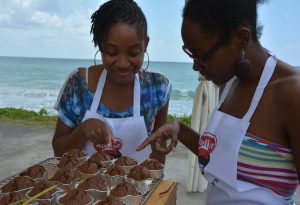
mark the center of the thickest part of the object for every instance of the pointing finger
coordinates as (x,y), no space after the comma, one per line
(146,142)
(173,143)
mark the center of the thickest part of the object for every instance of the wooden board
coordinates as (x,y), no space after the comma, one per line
(164,194)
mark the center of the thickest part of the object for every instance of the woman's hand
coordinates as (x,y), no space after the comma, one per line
(97,131)
(165,132)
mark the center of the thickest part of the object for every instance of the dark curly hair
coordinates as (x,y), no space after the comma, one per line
(223,17)
(116,11)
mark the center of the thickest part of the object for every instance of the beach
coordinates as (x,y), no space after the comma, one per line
(22,146)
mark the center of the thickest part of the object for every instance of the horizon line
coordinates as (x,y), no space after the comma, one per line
(161,61)
(65,58)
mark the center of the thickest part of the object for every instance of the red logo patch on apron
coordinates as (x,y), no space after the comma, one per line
(207,144)
(110,150)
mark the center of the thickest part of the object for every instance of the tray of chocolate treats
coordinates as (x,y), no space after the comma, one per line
(79,179)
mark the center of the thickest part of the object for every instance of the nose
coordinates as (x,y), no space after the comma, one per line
(122,61)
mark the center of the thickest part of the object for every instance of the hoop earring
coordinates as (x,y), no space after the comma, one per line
(95,57)
(144,69)
(243,67)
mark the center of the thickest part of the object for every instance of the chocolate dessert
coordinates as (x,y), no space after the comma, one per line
(124,189)
(64,176)
(68,162)
(110,200)
(139,173)
(11,198)
(116,170)
(101,159)
(152,164)
(41,186)
(100,156)
(76,197)
(74,153)
(35,172)
(89,167)
(96,182)
(17,184)
(125,161)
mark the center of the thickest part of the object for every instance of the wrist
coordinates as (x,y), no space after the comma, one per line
(178,126)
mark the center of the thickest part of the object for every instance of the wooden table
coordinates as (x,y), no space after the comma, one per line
(164,194)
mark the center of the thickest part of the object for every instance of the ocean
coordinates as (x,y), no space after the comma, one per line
(34,83)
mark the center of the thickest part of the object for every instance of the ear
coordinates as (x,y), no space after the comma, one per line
(242,36)
(147,39)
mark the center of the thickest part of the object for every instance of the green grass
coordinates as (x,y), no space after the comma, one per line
(43,119)
(186,119)
(27,117)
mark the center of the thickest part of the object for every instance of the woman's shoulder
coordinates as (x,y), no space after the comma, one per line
(287,84)
(91,71)
(74,76)
(153,77)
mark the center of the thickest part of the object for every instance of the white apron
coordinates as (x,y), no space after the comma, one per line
(218,150)
(129,132)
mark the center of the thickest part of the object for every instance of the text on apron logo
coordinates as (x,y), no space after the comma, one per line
(115,146)
(208,142)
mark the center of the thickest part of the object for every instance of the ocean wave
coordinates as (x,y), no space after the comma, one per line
(182,94)
(27,93)
(34,99)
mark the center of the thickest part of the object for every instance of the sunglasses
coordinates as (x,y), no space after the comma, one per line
(202,58)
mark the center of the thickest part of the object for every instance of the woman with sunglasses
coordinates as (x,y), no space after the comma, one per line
(249,150)
(115,106)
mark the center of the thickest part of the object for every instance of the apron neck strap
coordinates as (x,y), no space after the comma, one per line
(136,96)
(99,91)
(226,90)
(264,79)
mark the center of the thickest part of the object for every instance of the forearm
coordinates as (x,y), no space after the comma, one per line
(160,120)
(188,137)
(158,156)
(72,140)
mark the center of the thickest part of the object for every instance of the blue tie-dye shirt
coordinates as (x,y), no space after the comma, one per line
(76,99)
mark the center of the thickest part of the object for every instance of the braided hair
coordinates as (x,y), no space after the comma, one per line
(223,17)
(117,11)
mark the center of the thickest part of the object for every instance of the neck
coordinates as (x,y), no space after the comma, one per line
(258,56)
(120,86)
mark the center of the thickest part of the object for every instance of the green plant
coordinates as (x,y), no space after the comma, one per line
(43,112)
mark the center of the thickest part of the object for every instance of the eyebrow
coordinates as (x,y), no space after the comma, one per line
(131,46)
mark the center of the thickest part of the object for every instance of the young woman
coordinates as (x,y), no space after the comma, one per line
(248,152)
(113,107)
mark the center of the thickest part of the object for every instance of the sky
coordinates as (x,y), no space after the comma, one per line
(61,28)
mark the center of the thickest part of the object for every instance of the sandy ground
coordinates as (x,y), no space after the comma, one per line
(23,146)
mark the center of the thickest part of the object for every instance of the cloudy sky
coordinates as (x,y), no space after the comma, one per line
(60,28)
